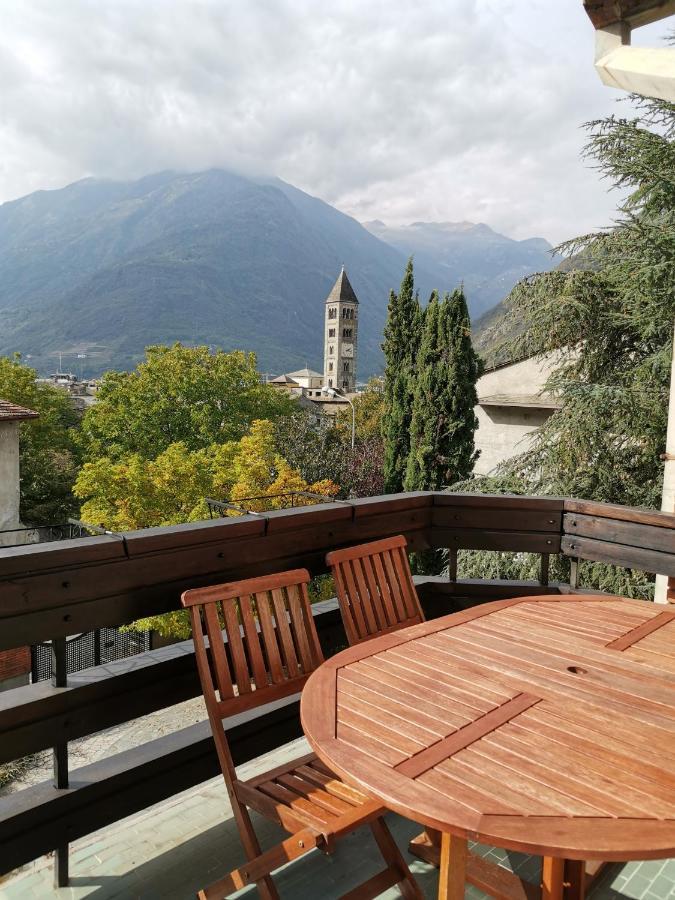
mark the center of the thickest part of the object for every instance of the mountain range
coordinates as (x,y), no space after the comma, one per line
(100,269)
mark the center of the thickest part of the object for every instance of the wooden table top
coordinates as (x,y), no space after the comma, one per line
(543,724)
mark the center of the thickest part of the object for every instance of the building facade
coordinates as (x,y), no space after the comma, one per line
(512,405)
(341,337)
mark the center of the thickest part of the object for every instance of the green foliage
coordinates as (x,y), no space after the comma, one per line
(611,329)
(324,451)
(48,456)
(443,422)
(178,395)
(368,412)
(402,334)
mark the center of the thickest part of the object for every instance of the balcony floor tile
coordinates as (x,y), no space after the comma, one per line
(170,851)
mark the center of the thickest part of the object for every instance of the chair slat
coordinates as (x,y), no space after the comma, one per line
(407,585)
(354,599)
(236,647)
(383,581)
(254,650)
(298,628)
(269,633)
(364,593)
(218,655)
(346,610)
(310,626)
(284,633)
(395,587)
(375,594)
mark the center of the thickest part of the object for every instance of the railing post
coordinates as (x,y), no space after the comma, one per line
(545,559)
(60,756)
(452,564)
(574,573)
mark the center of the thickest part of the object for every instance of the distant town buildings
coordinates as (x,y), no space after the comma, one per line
(82,392)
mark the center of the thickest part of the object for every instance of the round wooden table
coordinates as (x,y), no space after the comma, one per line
(543,724)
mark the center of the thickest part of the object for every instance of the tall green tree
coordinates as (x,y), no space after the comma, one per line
(185,395)
(608,321)
(443,422)
(48,456)
(401,341)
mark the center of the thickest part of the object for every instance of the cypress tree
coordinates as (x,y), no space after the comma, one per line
(443,422)
(401,341)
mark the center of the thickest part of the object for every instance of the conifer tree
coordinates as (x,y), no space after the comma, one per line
(443,421)
(401,341)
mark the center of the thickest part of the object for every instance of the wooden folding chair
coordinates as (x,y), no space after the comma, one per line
(262,646)
(375,588)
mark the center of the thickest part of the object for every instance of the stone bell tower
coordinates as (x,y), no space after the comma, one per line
(340,338)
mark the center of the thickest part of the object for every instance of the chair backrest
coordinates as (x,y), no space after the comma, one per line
(375,588)
(262,639)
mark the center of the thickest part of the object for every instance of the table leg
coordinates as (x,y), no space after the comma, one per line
(552,877)
(452,876)
(574,880)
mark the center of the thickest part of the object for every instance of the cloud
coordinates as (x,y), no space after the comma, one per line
(443,110)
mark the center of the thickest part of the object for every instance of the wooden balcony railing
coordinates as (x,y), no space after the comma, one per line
(54,590)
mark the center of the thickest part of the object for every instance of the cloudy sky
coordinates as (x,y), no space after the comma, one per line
(436,110)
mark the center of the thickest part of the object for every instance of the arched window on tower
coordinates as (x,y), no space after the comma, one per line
(330,366)
(332,312)
(330,350)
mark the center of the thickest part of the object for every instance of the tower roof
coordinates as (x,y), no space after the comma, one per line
(342,290)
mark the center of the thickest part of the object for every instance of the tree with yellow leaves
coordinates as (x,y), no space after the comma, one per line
(139,493)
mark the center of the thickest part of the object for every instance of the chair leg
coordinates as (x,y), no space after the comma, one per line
(257,870)
(266,887)
(409,888)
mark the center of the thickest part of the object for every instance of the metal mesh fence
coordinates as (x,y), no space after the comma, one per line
(92,648)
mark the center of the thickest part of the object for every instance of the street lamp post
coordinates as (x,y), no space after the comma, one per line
(331,392)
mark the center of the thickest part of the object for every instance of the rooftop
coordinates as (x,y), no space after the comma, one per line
(284,379)
(11,412)
(305,373)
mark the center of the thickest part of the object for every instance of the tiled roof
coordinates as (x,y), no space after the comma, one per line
(10,412)
(283,379)
(342,290)
(305,373)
